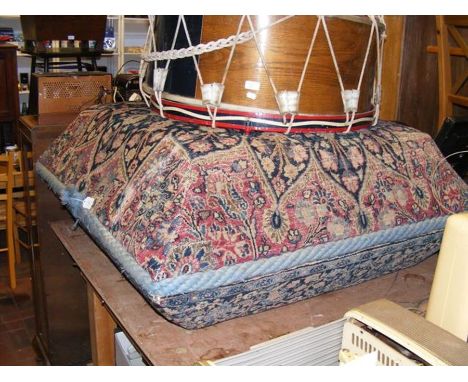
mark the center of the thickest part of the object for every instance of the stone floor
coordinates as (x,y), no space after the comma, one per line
(16,317)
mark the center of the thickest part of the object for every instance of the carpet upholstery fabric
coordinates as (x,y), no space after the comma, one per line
(211,224)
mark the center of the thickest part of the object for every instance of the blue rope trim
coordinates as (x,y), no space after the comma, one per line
(118,254)
(236,273)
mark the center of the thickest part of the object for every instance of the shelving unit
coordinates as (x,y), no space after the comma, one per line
(129,32)
(133,34)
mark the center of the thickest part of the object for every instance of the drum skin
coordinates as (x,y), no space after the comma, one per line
(285,48)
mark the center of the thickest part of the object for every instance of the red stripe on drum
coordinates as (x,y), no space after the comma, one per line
(262,128)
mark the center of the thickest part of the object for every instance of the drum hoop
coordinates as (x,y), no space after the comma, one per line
(246,123)
(360,19)
(256,121)
(189,101)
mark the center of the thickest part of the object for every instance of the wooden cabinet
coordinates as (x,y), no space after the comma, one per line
(59,291)
(9,108)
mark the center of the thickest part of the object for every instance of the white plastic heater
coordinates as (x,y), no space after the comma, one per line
(399,336)
(448,302)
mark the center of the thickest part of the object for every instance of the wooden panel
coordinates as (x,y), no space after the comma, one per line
(4,103)
(61,311)
(40,131)
(391,71)
(419,82)
(102,328)
(62,289)
(9,102)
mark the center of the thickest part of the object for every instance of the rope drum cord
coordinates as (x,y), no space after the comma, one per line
(226,70)
(374,25)
(378,28)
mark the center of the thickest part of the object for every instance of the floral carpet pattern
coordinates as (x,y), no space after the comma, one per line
(184,199)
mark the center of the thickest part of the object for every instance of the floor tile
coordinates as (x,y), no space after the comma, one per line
(30,324)
(19,338)
(10,315)
(14,325)
(17,326)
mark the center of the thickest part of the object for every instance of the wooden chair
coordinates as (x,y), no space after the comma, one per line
(24,213)
(8,178)
(14,208)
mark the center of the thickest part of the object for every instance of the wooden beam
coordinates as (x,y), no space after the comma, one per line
(459,39)
(102,328)
(458,100)
(459,21)
(460,82)
(452,50)
(392,67)
(445,75)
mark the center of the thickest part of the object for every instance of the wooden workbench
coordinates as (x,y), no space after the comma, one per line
(113,300)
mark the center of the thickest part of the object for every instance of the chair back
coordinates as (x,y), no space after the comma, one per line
(12,177)
(7,177)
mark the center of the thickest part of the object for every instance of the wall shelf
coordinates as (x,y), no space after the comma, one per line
(137,20)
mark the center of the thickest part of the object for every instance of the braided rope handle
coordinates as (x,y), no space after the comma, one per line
(211,46)
(198,49)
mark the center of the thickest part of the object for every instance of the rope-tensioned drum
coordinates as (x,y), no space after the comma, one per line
(287,100)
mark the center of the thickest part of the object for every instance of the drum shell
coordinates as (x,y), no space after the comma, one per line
(285,47)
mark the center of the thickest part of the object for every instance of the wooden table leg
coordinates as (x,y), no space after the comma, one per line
(102,331)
